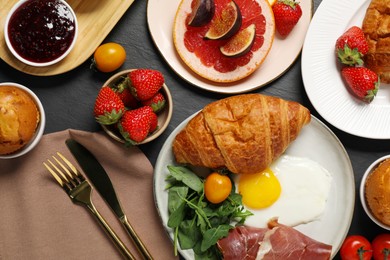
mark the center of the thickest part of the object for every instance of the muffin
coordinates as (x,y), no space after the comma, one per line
(19,118)
(377,192)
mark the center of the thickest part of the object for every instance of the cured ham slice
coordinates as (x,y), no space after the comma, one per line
(242,243)
(276,242)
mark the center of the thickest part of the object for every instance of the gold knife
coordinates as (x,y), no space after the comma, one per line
(100,179)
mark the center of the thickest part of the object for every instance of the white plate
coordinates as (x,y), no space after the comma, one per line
(322,79)
(316,142)
(161,15)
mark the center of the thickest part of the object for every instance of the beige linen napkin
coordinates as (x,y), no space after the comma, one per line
(39,221)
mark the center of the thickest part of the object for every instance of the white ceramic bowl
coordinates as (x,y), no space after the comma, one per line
(362,192)
(164,116)
(40,128)
(29,62)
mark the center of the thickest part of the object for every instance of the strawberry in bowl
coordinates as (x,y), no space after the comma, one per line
(134,106)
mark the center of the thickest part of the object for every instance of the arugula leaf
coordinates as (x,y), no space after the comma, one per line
(176,205)
(188,234)
(211,236)
(187,177)
(211,254)
(197,223)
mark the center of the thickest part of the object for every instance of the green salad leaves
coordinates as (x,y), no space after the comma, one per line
(197,223)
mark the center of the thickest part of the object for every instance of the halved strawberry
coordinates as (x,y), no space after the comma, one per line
(108,107)
(363,82)
(351,46)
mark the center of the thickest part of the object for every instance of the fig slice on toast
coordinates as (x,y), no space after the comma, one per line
(226,24)
(202,12)
(241,43)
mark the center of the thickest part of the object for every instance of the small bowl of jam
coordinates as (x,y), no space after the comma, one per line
(40,33)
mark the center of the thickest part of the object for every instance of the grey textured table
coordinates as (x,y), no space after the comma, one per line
(68,99)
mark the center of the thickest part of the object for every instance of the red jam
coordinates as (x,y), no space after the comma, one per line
(41,30)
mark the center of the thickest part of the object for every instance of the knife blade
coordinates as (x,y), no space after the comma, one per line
(100,179)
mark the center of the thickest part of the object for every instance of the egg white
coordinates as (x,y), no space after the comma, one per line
(305,189)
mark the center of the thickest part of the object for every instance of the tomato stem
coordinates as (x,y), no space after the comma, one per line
(361,252)
(386,253)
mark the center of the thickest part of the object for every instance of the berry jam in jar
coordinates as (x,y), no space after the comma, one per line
(42,30)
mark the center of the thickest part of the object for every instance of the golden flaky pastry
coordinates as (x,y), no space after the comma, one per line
(19,118)
(243,133)
(376,28)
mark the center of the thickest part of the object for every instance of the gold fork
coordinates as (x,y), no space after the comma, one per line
(79,191)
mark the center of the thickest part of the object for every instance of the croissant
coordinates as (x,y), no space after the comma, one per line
(377,30)
(243,133)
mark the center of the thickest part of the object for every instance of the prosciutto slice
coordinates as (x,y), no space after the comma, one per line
(242,243)
(276,242)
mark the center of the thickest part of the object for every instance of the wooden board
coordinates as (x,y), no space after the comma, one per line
(96,18)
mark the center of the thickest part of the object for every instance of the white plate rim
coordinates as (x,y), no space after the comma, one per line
(322,79)
(346,201)
(161,33)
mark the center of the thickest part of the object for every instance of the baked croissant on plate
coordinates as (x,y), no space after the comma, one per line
(243,133)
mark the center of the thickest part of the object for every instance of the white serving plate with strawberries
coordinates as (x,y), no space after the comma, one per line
(316,142)
(322,78)
(282,55)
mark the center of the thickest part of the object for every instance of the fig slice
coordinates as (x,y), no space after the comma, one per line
(240,43)
(202,12)
(226,24)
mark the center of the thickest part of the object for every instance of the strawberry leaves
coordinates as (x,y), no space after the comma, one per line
(351,46)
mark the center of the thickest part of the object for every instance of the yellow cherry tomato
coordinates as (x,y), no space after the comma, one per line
(109,57)
(217,187)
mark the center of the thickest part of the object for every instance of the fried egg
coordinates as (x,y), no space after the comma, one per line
(293,189)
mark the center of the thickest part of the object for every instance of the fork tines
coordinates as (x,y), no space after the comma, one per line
(68,180)
(79,190)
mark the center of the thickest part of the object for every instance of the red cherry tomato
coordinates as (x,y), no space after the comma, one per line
(381,247)
(356,248)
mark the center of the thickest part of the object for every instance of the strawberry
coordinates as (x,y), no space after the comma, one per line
(145,83)
(135,124)
(157,102)
(287,14)
(363,82)
(153,122)
(351,46)
(125,94)
(108,107)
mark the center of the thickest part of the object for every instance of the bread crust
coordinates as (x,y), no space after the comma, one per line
(19,119)
(243,133)
(376,28)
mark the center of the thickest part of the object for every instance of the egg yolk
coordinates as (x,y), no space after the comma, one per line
(259,190)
